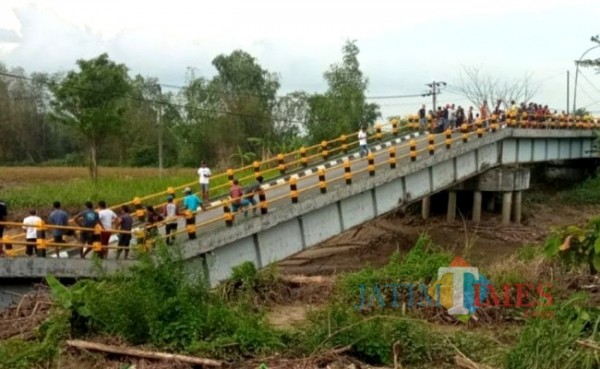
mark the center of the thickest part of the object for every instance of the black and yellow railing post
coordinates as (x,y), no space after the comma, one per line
(324,150)
(392,157)
(140,212)
(190,224)
(448,138)
(371,166)
(479,123)
(347,172)
(431,143)
(322,182)
(262,198)
(256,166)
(230,176)
(41,241)
(563,122)
(395,127)
(294,190)
(465,135)
(303,158)
(494,125)
(96,244)
(281,161)
(227,215)
(413,150)
(7,245)
(343,143)
(378,134)
(479,132)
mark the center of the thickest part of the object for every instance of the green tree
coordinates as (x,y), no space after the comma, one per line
(93,100)
(236,104)
(592,62)
(343,107)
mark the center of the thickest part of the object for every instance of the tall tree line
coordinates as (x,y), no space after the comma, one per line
(98,114)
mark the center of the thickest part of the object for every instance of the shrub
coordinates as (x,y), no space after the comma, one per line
(547,343)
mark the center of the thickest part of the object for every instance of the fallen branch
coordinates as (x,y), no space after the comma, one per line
(464,362)
(588,343)
(301,279)
(142,353)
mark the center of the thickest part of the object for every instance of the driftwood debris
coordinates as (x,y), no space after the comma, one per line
(589,344)
(142,353)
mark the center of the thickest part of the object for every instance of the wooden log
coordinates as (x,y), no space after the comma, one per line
(142,353)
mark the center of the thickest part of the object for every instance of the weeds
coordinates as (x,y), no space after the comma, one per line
(18,353)
(159,303)
(552,343)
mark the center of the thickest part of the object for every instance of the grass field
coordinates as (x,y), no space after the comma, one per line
(23,188)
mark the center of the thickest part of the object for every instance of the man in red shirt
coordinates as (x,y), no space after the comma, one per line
(237,198)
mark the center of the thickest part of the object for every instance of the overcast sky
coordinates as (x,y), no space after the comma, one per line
(403,44)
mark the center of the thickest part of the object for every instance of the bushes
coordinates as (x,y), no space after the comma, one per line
(420,264)
(159,303)
(18,353)
(552,343)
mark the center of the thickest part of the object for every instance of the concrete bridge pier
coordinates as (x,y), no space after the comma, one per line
(517,198)
(451,215)
(510,181)
(477,197)
(506,207)
(426,207)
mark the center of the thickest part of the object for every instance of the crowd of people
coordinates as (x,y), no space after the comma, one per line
(452,116)
(109,224)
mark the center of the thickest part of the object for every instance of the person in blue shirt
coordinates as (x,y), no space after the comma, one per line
(58,217)
(191,201)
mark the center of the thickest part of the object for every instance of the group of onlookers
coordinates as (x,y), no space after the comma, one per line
(102,222)
(452,116)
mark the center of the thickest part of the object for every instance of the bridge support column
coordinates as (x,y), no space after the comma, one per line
(426,207)
(506,207)
(451,216)
(477,196)
(517,196)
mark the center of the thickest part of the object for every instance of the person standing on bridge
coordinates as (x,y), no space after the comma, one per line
(30,224)
(87,219)
(108,220)
(252,190)
(423,118)
(125,223)
(190,201)
(58,217)
(170,213)
(204,174)
(362,142)
(3,215)
(484,114)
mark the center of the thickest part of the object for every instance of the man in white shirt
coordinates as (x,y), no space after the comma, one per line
(204,174)
(108,219)
(29,225)
(362,142)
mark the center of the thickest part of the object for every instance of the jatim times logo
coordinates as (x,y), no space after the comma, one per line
(461,289)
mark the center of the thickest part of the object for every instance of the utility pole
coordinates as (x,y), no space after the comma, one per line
(435,90)
(160,138)
(568,80)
